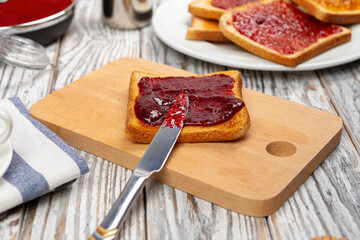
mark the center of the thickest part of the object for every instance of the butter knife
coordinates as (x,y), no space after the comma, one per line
(152,161)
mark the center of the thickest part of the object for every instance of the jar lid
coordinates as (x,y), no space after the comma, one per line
(22,52)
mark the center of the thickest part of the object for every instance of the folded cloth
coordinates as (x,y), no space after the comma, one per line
(41,161)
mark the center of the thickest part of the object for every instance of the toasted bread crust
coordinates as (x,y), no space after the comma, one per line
(325,15)
(204,9)
(293,60)
(206,30)
(232,129)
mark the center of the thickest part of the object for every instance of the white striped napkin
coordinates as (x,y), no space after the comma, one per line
(41,162)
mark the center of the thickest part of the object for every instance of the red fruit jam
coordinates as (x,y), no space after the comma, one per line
(281,26)
(229,4)
(15,12)
(211,99)
(177,113)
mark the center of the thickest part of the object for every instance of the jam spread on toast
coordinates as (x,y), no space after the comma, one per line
(339,5)
(211,99)
(280,26)
(229,4)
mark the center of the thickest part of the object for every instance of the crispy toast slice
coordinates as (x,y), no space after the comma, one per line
(338,12)
(234,128)
(287,59)
(206,30)
(204,9)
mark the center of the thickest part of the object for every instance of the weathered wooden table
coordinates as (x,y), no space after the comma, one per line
(328,203)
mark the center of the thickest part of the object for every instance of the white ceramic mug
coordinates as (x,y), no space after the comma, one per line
(8,125)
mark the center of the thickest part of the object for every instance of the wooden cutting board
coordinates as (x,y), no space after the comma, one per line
(254,175)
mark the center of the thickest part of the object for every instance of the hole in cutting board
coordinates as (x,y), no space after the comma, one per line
(281,149)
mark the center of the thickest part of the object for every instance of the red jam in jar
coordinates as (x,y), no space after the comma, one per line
(211,99)
(15,12)
(281,26)
(229,4)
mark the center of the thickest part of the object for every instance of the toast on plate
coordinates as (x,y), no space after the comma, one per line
(206,30)
(213,9)
(149,93)
(278,31)
(204,9)
(332,11)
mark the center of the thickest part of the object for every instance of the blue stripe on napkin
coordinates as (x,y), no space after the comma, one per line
(22,182)
(22,176)
(52,136)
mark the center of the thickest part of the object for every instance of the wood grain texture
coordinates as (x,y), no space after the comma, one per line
(30,86)
(304,88)
(240,226)
(322,204)
(180,220)
(342,85)
(73,213)
(87,46)
(173,214)
(90,114)
(328,202)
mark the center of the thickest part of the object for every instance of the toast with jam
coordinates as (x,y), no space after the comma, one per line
(213,9)
(278,31)
(216,108)
(204,9)
(332,11)
(206,30)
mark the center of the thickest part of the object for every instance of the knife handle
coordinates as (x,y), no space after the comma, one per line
(109,228)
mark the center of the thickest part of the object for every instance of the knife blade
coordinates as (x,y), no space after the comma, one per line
(152,161)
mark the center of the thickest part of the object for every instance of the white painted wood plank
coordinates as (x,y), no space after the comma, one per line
(327,204)
(331,196)
(303,88)
(10,222)
(89,44)
(75,212)
(29,85)
(342,85)
(173,214)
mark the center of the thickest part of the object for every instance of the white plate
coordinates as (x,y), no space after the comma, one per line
(172,19)
(6,154)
